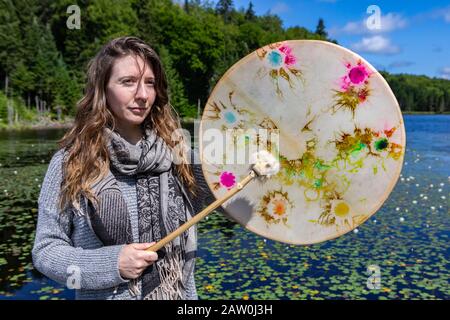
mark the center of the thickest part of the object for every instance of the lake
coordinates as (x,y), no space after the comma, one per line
(406,241)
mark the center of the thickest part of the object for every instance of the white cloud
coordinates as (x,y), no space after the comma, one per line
(388,23)
(440,13)
(376,44)
(443,13)
(445,73)
(392,21)
(353,27)
(279,7)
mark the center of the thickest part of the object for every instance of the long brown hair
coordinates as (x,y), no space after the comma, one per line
(87,160)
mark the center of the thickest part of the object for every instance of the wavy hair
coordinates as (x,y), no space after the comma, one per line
(87,159)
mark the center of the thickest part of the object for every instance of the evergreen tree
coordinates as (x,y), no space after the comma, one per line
(23,79)
(225,8)
(11,45)
(320,29)
(177,94)
(250,13)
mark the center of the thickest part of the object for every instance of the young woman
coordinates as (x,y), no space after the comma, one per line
(114,188)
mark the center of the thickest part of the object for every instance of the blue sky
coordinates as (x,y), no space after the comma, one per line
(414,35)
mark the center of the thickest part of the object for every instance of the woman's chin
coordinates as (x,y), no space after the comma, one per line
(135,120)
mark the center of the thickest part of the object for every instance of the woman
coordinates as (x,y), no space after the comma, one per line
(114,188)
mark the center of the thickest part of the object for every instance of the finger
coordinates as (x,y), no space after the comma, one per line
(138,273)
(148,256)
(141,246)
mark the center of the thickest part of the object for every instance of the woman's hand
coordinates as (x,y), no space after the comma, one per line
(133,259)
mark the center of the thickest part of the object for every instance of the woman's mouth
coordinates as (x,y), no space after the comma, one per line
(138,110)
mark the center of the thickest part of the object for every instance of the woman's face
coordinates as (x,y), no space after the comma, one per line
(130,92)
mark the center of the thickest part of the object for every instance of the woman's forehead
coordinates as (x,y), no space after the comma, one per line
(131,66)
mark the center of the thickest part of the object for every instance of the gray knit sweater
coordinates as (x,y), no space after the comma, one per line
(66,245)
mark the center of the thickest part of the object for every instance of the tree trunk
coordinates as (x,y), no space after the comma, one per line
(442,105)
(10,111)
(9,106)
(58,112)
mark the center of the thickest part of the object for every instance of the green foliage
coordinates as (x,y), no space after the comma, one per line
(23,113)
(3,109)
(22,78)
(420,93)
(10,37)
(177,94)
(18,111)
(198,42)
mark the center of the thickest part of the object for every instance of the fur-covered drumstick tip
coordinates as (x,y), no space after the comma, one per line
(265,164)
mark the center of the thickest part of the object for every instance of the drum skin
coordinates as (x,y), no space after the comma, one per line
(330,119)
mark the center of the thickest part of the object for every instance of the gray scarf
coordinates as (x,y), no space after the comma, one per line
(163,206)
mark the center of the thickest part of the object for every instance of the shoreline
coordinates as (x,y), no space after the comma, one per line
(37,126)
(69,124)
(55,125)
(425,113)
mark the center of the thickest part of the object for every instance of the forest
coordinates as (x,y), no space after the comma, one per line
(43,61)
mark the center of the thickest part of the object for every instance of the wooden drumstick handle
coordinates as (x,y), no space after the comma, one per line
(160,244)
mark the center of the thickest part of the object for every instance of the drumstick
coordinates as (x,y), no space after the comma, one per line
(265,166)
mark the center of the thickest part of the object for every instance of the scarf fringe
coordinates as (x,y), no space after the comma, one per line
(170,271)
(133,287)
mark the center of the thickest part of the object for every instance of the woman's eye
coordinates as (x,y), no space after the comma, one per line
(151,83)
(128,82)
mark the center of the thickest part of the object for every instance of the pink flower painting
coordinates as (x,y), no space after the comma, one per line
(353,87)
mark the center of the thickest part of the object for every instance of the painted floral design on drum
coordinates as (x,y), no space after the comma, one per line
(275,207)
(233,116)
(353,148)
(354,88)
(227,179)
(280,63)
(338,212)
(384,145)
(224,179)
(308,172)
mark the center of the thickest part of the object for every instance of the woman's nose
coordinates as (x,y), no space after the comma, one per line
(142,91)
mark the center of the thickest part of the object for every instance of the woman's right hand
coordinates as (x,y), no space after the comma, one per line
(133,259)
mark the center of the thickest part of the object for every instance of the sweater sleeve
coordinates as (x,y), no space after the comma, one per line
(54,254)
